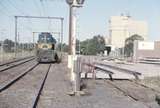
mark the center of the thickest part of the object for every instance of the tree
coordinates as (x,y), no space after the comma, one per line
(65,47)
(8,45)
(93,46)
(77,45)
(129,42)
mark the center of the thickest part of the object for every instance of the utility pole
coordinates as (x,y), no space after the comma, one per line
(33,40)
(15,43)
(2,51)
(73,5)
(2,44)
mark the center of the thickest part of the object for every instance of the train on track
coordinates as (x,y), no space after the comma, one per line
(46,48)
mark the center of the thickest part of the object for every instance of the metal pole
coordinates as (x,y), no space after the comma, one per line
(1,51)
(72,65)
(18,44)
(15,45)
(2,45)
(70,28)
(61,41)
(33,43)
(72,41)
(33,39)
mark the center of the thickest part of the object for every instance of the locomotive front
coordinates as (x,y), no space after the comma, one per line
(46,48)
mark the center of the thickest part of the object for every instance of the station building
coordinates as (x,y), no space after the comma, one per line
(122,27)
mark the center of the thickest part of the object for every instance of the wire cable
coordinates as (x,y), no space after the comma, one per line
(43,7)
(38,8)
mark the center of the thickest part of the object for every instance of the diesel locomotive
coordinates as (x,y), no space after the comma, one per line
(46,48)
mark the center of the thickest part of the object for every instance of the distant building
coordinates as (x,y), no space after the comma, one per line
(122,27)
(145,49)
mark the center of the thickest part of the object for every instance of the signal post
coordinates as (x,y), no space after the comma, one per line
(72,58)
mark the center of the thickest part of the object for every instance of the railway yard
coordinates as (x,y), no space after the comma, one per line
(79,54)
(24,83)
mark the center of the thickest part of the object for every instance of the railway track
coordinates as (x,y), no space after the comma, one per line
(136,92)
(41,88)
(132,88)
(12,64)
(16,60)
(25,91)
(114,69)
(12,76)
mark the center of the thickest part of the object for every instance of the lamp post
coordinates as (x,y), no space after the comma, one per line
(73,5)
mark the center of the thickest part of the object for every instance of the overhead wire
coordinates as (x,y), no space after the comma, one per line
(43,7)
(13,5)
(49,20)
(49,25)
(21,12)
(37,6)
(6,12)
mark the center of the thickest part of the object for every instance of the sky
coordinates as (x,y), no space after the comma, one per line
(92,18)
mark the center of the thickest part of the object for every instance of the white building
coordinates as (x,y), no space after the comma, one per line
(122,27)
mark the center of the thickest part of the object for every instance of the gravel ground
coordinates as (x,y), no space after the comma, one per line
(153,82)
(11,73)
(22,94)
(142,94)
(101,94)
(5,57)
(14,63)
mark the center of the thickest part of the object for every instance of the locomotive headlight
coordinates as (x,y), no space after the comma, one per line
(49,46)
(45,46)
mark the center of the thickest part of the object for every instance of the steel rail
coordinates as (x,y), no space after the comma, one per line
(17,60)
(135,81)
(10,67)
(5,86)
(125,92)
(136,74)
(145,86)
(96,67)
(41,88)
